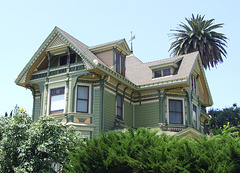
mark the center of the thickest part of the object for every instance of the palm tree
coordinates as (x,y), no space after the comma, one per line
(199,35)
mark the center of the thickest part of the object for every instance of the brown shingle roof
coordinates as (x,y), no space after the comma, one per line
(141,74)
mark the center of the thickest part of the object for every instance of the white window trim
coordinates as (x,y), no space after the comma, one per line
(55,86)
(183,108)
(89,95)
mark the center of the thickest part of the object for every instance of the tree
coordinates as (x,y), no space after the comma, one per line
(199,35)
(27,146)
(222,117)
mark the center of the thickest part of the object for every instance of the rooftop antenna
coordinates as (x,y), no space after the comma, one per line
(132,38)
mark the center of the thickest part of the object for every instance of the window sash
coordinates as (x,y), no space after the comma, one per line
(194,116)
(175,111)
(157,73)
(119,107)
(57,101)
(82,99)
(166,72)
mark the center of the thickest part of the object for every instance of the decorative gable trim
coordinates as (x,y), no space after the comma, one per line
(60,40)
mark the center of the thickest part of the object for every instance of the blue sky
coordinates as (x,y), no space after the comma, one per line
(26,24)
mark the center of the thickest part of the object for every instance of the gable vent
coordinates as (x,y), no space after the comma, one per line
(56,43)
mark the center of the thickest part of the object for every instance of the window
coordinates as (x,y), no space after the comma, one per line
(175,111)
(119,107)
(57,102)
(82,99)
(120,63)
(63,60)
(157,73)
(162,72)
(194,116)
(72,58)
(166,72)
(194,84)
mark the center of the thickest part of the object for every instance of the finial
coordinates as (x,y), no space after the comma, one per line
(132,38)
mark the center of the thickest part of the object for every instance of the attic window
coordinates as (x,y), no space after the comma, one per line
(162,72)
(63,60)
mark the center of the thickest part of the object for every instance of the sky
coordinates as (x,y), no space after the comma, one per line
(26,24)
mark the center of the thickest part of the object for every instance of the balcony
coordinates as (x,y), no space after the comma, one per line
(58,70)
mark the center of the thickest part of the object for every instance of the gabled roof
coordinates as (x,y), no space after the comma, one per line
(122,44)
(80,48)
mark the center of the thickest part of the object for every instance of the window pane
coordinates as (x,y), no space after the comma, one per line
(194,116)
(63,60)
(157,73)
(175,118)
(175,112)
(123,65)
(82,92)
(175,105)
(166,72)
(82,106)
(117,62)
(72,58)
(57,104)
(119,101)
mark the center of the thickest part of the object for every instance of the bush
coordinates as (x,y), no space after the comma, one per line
(144,151)
(27,146)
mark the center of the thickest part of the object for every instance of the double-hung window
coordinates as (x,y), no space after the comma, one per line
(82,99)
(57,102)
(119,107)
(120,63)
(175,111)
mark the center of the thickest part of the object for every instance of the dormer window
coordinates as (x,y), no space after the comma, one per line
(162,72)
(120,63)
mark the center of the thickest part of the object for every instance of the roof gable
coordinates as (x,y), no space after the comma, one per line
(56,39)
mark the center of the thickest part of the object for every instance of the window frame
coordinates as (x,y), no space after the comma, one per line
(196,113)
(88,99)
(120,63)
(121,107)
(50,100)
(183,110)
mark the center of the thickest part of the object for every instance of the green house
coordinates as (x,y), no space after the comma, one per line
(105,87)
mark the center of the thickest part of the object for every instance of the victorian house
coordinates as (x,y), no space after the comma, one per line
(105,87)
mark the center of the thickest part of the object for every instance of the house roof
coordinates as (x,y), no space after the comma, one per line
(138,74)
(141,73)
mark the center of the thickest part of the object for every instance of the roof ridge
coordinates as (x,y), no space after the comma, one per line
(99,45)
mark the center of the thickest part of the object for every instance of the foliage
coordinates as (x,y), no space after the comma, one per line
(144,151)
(199,35)
(222,117)
(27,146)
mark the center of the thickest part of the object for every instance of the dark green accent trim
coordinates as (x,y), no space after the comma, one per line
(140,98)
(131,97)
(92,97)
(114,59)
(49,62)
(117,87)
(101,125)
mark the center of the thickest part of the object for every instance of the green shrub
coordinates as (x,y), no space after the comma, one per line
(144,151)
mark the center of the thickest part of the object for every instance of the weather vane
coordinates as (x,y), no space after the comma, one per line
(132,38)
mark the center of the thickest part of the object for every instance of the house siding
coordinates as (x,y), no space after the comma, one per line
(96,110)
(36,107)
(147,114)
(109,104)
(128,113)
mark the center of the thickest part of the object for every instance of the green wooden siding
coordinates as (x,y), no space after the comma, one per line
(147,115)
(36,108)
(96,110)
(109,110)
(128,113)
